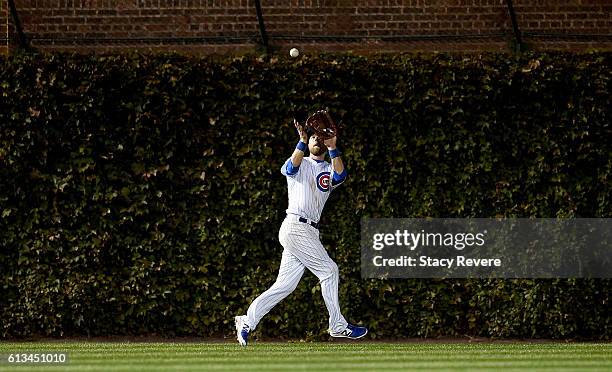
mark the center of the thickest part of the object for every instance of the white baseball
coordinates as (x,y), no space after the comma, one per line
(294,52)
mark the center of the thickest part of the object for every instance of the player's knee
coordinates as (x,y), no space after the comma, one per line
(291,287)
(285,287)
(332,270)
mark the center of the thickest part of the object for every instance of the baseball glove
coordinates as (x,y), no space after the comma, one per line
(321,124)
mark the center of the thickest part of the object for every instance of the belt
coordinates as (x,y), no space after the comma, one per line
(295,217)
(311,223)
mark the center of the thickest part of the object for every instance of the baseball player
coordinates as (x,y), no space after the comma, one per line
(309,182)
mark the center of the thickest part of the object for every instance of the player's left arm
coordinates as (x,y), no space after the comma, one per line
(339,171)
(292,165)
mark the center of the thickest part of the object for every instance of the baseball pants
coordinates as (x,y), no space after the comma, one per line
(302,249)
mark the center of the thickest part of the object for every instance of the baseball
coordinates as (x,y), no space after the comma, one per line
(294,52)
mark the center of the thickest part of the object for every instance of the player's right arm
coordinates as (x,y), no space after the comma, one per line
(293,165)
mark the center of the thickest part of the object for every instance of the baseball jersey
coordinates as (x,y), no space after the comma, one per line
(310,187)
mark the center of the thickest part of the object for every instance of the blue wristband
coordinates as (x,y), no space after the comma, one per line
(301,146)
(334,153)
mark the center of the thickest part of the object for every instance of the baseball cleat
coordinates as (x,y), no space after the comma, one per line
(242,330)
(351,331)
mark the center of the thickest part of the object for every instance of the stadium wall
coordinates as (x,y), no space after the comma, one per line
(205,26)
(4,28)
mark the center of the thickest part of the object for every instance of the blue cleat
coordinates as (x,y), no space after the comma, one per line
(242,330)
(351,331)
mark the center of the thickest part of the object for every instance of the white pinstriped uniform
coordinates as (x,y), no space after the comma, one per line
(308,189)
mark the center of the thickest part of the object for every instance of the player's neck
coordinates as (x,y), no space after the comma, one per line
(318,157)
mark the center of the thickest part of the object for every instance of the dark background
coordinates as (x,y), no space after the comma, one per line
(142,194)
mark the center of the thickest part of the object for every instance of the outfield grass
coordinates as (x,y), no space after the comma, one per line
(105,356)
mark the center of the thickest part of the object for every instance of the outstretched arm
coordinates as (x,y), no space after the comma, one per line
(298,154)
(339,174)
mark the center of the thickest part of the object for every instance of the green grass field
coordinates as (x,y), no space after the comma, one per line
(106,356)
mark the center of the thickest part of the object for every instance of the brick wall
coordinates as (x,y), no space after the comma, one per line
(3,28)
(586,16)
(360,25)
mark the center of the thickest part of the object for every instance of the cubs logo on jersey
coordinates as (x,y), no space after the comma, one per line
(323,180)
